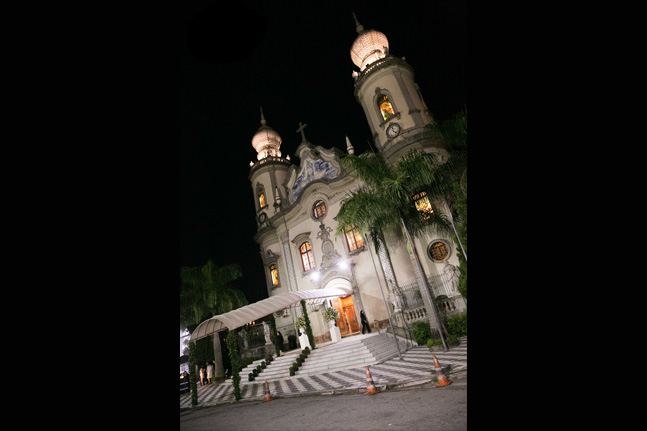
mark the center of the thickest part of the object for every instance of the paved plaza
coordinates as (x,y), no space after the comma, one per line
(416,367)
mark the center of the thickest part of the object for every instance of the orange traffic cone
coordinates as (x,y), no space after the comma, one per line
(442,378)
(268,397)
(370,386)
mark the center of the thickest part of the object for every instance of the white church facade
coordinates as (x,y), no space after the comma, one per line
(296,207)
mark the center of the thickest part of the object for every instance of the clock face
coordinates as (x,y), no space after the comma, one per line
(393,130)
(262,217)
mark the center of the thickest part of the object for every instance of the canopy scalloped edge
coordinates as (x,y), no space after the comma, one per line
(248,313)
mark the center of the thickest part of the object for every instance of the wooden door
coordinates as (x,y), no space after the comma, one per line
(347,321)
(341,322)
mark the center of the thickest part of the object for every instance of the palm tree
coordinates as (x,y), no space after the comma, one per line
(206,292)
(384,206)
(453,134)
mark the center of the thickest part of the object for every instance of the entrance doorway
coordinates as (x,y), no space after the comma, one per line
(347,322)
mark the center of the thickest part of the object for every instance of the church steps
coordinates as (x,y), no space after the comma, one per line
(351,352)
(279,362)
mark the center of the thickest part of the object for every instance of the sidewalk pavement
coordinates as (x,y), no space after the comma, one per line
(416,367)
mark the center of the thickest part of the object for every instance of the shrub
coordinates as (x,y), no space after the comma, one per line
(250,377)
(292,371)
(311,337)
(263,365)
(421,332)
(255,372)
(457,325)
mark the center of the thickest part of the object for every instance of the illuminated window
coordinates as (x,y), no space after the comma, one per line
(438,250)
(261,198)
(319,209)
(423,205)
(307,259)
(385,106)
(353,238)
(275,274)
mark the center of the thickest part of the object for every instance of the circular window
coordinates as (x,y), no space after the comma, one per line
(319,209)
(438,250)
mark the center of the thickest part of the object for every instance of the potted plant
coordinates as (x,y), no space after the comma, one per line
(331,314)
(300,322)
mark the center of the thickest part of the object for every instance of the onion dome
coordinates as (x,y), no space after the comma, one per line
(266,141)
(369,46)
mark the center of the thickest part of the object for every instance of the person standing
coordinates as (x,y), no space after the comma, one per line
(210,372)
(365,325)
(202,375)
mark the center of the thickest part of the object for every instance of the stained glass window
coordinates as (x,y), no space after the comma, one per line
(423,205)
(319,209)
(275,275)
(353,238)
(307,259)
(385,106)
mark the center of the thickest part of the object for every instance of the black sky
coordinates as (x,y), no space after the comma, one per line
(292,58)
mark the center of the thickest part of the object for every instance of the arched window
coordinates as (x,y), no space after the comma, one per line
(353,238)
(261,197)
(307,259)
(319,209)
(275,274)
(386,109)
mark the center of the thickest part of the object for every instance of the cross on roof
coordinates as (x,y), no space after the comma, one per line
(303,135)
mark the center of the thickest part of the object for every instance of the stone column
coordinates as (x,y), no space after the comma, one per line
(219,369)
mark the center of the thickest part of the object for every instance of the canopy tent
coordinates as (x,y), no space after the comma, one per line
(240,316)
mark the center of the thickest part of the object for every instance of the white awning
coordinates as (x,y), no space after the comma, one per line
(248,313)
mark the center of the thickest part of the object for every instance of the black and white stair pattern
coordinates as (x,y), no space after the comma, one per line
(417,364)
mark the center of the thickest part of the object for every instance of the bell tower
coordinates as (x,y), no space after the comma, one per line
(386,90)
(269,173)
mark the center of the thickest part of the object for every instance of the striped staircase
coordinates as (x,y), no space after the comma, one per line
(351,352)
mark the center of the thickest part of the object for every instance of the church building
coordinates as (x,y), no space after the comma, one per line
(296,207)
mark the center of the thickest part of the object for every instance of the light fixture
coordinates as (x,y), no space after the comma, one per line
(342,264)
(315,276)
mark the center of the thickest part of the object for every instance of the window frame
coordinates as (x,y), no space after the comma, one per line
(354,230)
(447,247)
(314,209)
(422,195)
(260,190)
(379,92)
(310,254)
(278,279)
(379,102)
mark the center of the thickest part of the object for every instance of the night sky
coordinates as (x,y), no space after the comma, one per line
(293,59)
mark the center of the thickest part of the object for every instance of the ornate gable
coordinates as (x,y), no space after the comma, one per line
(315,165)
